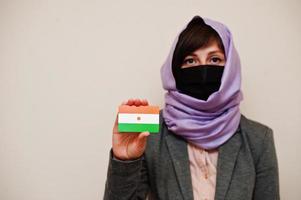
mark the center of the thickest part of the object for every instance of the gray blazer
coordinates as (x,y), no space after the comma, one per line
(247,168)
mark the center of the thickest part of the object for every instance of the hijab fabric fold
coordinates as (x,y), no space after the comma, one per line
(207,124)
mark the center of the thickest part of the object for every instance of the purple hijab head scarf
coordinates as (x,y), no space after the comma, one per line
(207,124)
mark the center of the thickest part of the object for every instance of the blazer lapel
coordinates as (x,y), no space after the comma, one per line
(226,161)
(179,154)
(225,164)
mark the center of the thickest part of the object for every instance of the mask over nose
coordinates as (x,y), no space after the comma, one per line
(199,81)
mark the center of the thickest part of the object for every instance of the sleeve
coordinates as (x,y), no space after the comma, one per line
(125,161)
(267,177)
(126,179)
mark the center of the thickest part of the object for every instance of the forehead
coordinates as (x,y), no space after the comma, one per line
(212,47)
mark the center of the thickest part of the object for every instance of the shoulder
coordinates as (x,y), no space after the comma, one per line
(255,130)
(256,135)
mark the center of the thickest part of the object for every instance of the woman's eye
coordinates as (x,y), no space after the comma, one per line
(189,61)
(216,60)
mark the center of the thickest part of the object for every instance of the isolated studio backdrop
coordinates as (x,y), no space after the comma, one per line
(66,65)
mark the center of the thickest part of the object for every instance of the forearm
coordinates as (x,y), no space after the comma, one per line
(124,178)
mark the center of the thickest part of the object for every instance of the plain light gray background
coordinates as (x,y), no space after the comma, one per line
(66,65)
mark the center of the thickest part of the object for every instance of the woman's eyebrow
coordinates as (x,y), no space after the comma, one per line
(192,54)
(216,51)
(211,52)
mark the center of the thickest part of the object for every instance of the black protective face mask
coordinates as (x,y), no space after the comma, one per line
(199,81)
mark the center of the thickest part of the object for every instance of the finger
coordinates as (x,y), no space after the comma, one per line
(137,102)
(141,141)
(116,119)
(131,102)
(144,102)
(143,135)
(115,128)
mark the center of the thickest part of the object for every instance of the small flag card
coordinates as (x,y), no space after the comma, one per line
(138,118)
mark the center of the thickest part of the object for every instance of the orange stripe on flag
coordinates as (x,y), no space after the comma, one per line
(139,109)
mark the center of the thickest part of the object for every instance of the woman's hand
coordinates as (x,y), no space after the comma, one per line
(129,146)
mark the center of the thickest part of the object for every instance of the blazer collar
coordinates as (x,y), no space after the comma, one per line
(227,156)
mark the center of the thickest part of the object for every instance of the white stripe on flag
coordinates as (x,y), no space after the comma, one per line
(134,118)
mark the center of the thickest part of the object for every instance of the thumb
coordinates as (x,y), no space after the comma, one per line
(142,137)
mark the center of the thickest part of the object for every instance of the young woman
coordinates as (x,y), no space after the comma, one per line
(206,149)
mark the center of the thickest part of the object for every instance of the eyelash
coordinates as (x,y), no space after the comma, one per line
(187,60)
(216,58)
(193,59)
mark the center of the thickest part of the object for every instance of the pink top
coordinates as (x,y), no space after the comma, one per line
(203,171)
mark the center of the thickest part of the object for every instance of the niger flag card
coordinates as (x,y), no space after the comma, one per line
(138,118)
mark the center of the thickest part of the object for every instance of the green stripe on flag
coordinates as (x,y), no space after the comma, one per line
(126,127)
